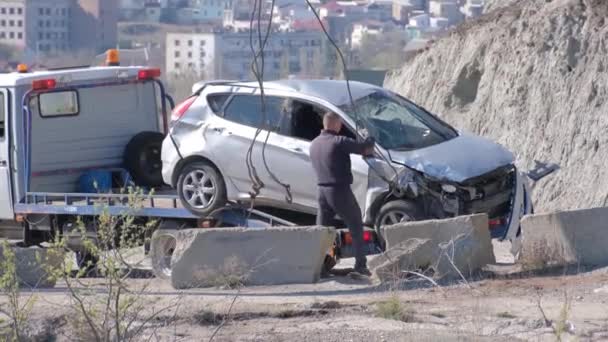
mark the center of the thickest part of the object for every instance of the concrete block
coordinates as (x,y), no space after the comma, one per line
(32,265)
(462,244)
(225,256)
(566,237)
(409,255)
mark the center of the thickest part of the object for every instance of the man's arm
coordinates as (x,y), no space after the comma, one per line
(352,146)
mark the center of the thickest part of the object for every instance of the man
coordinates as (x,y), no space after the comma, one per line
(330,155)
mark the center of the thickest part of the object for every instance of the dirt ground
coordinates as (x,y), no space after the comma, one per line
(503,306)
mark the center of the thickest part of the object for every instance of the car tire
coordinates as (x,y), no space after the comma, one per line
(142,159)
(201,188)
(394,212)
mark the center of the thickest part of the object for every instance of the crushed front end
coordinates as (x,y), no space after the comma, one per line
(502,194)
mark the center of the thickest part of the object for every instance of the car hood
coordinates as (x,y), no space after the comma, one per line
(456,160)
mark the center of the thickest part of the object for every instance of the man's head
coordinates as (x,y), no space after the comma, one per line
(332,122)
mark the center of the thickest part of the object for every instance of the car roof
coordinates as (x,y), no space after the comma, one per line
(332,91)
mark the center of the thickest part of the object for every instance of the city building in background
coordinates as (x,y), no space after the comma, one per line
(12,23)
(229,55)
(43,27)
(94,24)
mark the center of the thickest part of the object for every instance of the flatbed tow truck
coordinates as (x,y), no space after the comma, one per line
(60,129)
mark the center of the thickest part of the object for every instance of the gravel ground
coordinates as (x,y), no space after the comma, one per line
(499,308)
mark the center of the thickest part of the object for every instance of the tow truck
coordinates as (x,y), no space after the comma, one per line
(73,138)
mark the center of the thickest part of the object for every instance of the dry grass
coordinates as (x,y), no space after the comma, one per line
(562,325)
(506,314)
(394,309)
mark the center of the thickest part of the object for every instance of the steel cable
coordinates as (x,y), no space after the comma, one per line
(258,73)
(352,102)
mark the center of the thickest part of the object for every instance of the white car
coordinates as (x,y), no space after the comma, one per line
(423,169)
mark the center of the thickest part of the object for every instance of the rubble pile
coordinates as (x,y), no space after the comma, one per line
(531,75)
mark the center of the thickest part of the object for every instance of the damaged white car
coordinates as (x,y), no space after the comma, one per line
(423,169)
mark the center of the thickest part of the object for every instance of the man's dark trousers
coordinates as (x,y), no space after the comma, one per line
(339,199)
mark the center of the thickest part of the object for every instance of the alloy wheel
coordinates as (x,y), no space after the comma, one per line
(199,189)
(394,217)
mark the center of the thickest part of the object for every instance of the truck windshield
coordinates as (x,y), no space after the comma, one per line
(398,124)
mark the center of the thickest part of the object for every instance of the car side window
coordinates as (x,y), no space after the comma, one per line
(247,110)
(306,122)
(216,102)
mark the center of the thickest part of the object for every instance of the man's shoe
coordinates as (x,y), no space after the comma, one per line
(363,271)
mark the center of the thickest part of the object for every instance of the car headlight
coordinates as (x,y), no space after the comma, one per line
(406,181)
(448,188)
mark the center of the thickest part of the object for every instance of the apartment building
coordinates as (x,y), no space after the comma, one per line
(48,25)
(95,24)
(201,11)
(12,23)
(58,26)
(192,53)
(228,54)
(449,9)
(40,25)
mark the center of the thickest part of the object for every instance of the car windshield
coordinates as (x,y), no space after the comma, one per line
(397,123)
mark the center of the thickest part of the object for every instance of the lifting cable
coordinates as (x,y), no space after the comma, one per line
(262,45)
(352,102)
(253,175)
(258,72)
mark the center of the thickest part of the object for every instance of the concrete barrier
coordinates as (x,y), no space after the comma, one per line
(32,265)
(567,237)
(451,247)
(230,256)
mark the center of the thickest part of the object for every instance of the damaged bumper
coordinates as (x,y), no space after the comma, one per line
(502,194)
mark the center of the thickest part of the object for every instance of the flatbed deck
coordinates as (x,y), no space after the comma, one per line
(162,205)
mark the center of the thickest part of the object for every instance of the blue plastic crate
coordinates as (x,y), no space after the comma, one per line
(95,181)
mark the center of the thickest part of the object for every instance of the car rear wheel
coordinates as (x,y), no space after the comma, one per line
(394,212)
(201,188)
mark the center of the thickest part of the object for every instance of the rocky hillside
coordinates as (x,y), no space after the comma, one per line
(532,75)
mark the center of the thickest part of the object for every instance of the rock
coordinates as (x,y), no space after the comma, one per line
(530,75)
(241,256)
(33,263)
(565,238)
(603,289)
(464,241)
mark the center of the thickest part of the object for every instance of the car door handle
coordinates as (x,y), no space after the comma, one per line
(220,130)
(297,149)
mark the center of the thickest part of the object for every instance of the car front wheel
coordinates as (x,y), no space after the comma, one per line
(394,212)
(201,188)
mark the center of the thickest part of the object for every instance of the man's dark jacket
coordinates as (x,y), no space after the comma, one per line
(330,156)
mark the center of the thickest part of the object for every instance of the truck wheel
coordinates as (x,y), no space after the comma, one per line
(201,188)
(395,212)
(162,246)
(142,158)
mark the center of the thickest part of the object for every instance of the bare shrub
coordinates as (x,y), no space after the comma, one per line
(119,312)
(17,309)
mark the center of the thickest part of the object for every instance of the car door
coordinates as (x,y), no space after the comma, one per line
(230,134)
(299,126)
(288,157)
(6,202)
